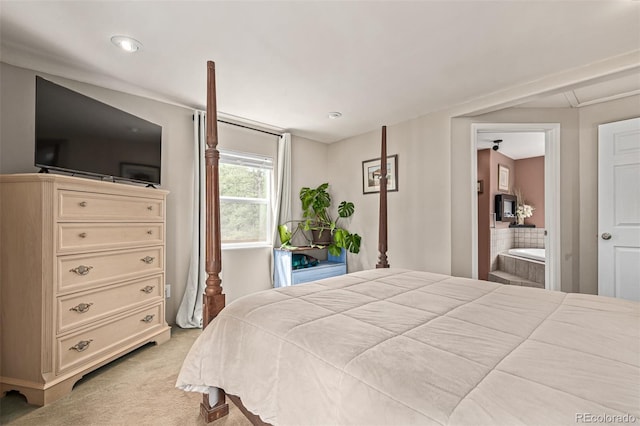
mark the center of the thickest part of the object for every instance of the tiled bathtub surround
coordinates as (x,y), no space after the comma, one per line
(503,239)
(508,269)
(517,271)
(528,237)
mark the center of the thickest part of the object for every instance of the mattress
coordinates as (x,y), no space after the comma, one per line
(391,346)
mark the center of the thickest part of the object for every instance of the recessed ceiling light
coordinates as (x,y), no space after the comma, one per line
(335,114)
(127,44)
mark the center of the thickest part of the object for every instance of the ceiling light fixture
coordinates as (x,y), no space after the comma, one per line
(496,144)
(127,44)
(334,115)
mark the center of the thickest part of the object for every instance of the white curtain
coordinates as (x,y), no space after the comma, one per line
(190,311)
(282,204)
(283,194)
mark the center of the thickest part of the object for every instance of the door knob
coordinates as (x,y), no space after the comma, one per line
(606,236)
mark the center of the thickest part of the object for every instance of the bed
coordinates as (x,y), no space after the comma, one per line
(393,346)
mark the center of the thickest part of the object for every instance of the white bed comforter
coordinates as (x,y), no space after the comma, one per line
(398,347)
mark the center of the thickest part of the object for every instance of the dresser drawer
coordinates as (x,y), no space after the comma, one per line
(77,205)
(81,308)
(86,270)
(79,348)
(94,236)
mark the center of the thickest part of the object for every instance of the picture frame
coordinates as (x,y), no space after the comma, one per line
(480,186)
(140,172)
(503,178)
(371,175)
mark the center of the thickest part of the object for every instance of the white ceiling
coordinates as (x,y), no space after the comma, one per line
(288,64)
(515,145)
(593,93)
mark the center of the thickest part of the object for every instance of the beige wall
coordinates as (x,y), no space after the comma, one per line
(245,270)
(419,212)
(309,168)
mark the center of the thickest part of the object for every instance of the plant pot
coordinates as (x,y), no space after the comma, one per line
(321,237)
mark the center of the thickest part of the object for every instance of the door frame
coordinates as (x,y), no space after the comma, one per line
(551,193)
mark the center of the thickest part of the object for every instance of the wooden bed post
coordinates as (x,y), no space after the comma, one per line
(214,299)
(382,220)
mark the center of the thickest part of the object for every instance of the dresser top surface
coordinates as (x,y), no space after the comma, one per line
(80,183)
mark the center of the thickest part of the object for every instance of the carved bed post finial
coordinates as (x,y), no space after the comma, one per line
(382,220)
(213,300)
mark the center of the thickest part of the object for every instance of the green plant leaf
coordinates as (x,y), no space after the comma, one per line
(306,197)
(321,202)
(315,203)
(285,234)
(346,209)
(335,250)
(339,237)
(353,243)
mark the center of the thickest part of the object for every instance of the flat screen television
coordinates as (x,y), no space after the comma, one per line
(78,134)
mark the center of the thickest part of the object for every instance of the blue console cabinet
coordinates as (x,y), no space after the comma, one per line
(284,275)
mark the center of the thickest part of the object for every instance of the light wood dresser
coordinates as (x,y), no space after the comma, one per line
(81,278)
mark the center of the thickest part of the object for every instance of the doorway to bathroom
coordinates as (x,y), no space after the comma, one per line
(516,232)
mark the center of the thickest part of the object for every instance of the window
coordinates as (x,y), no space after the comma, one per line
(245,199)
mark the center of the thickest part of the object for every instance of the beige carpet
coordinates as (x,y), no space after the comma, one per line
(137,389)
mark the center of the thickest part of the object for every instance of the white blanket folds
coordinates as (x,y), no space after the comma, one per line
(399,347)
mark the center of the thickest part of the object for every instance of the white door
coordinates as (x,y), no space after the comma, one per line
(619,209)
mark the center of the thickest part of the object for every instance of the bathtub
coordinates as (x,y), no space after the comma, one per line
(536,254)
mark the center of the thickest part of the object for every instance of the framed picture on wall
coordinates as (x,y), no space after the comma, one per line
(503,178)
(371,175)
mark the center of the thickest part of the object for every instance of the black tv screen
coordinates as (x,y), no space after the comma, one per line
(78,134)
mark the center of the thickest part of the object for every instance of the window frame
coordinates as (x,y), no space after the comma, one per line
(253,160)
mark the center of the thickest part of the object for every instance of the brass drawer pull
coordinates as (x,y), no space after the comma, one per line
(147,259)
(150,208)
(148,289)
(150,232)
(81,270)
(81,345)
(82,204)
(81,308)
(82,235)
(148,319)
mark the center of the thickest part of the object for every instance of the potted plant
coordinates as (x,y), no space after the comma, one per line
(318,220)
